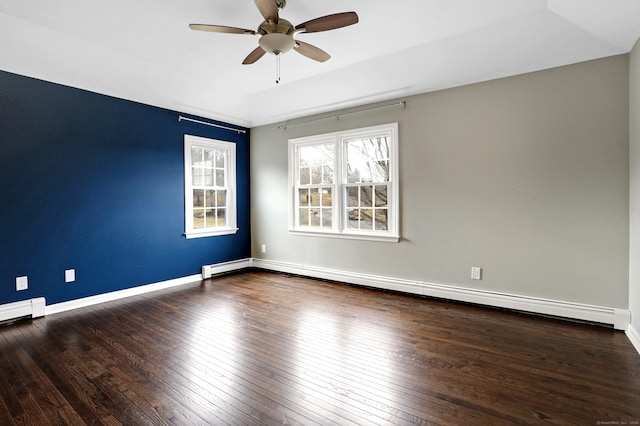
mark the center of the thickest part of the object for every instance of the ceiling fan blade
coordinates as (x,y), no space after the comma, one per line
(220,29)
(268,9)
(256,54)
(329,22)
(311,51)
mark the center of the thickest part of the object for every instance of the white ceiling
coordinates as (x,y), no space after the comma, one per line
(143,50)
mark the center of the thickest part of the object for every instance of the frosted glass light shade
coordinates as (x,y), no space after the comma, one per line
(277,43)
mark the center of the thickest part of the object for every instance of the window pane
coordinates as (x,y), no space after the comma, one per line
(220,178)
(326,215)
(306,155)
(366,219)
(198,198)
(356,162)
(327,199)
(221,198)
(210,198)
(327,154)
(304,197)
(196,156)
(381,171)
(316,175)
(353,218)
(315,196)
(381,196)
(209,218)
(221,217)
(208,177)
(367,160)
(209,155)
(196,176)
(366,196)
(219,159)
(305,176)
(381,223)
(304,217)
(361,219)
(327,174)
(316,154)
(352,196)
(198,218)
(314,217)
(353,174)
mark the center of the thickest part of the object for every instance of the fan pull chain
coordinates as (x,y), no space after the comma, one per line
(277,68)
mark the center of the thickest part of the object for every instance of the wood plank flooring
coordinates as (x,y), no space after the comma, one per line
(260,348)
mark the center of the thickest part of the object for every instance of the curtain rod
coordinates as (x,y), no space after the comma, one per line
(180,118)
(338,116)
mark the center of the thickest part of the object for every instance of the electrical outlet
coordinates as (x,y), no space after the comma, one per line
(22,283)
(69,275)
(476,273)
(264,248)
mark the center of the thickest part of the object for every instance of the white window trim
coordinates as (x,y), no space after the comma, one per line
(231,226)
(338,211)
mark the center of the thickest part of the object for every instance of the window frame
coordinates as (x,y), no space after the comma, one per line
(230,226)
(339,186)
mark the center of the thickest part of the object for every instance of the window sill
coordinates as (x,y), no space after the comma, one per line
(210,233)
(348,236)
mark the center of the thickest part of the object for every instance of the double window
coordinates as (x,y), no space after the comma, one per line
(210,187)
(345,184)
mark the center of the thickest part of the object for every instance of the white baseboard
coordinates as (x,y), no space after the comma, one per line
(618,318)
(120,294)
(33,308)
(219,268)
(134,291)
(634,336)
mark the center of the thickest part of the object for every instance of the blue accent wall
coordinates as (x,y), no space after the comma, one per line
(96,183)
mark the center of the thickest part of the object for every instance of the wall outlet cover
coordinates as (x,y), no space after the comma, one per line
(22,283)
(69,275)
(476,273)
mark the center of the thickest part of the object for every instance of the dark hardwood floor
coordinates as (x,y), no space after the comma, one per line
(264,348)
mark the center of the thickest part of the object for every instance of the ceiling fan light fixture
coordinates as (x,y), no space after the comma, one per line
(277,43)
(277,35)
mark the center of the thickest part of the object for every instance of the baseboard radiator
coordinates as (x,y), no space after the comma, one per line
(32,308)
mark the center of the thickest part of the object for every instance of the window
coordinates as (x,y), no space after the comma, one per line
(210,187)
(345,184)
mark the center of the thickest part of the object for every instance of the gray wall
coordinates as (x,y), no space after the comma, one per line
(634,177)
(526,177)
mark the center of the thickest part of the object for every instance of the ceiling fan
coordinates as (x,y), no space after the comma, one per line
(278,35)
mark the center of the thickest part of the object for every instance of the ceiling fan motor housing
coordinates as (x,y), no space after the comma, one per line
(276,38)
